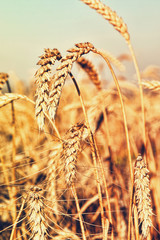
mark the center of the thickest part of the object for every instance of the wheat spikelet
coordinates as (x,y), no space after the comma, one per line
(3,79)
(71,148)
(91,71)
(36,214)
(9,97)
(109,15)
(42,79)
(152,85)
(61,74)
(142,194)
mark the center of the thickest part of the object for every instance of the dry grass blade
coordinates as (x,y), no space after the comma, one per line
(42,81)
(109,15)
(36,215)
(71,148)
(3,79)
(91,71)
(142,194)
(61,74)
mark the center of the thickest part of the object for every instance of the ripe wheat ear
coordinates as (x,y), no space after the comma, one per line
(109,15)
(91,71)
(3,79)
(61,74)
(142,194)
(36,214)
(42,81)
(71,148)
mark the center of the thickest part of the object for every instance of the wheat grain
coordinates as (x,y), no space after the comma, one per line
(109,15)
(36,214)
(61,74)
(91,71)
(71,148)
(3,79)
(42,80)
(142,194)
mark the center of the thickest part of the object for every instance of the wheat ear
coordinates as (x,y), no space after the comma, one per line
(142,195)
(3,79)
(91,71)
(109,15)
(71,148)
(152,85)
(42,81)
(36,214)
(61,74)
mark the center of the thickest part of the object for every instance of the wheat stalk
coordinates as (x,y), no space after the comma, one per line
(109,15)
(71,148)
(142,195)
(61,74)
(42,80)
(52,181)
(91,71)
(3,79)
(36,214)
(115,61)
(120,26)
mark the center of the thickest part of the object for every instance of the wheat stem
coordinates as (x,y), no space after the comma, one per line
(18,216)
(79,211)
(93,151)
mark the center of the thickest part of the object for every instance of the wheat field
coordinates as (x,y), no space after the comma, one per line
(79,155)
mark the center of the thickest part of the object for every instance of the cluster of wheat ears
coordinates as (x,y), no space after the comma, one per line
(83,173)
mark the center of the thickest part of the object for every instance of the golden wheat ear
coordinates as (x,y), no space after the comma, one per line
(142,195)
(71,148)
(3,79)
(36,214)
(91,71)
(152,85)
(109,15)
(62,72)
(43,77)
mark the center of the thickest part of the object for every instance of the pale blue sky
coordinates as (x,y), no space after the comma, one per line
(29,26)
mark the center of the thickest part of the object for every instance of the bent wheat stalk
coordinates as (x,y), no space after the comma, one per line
(93,151)
(61,74)
(118,23)
(127,137)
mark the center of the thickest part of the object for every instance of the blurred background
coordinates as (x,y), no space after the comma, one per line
(27,27)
